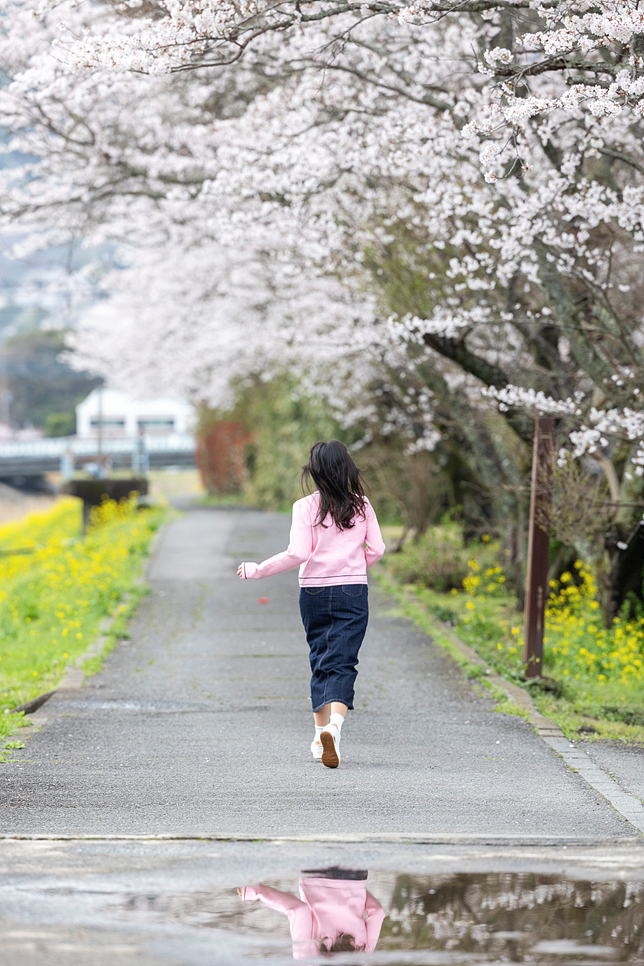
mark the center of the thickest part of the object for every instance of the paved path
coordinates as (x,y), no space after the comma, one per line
(202,723)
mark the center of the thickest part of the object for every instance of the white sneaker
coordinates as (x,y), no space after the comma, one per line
(316,749)
(330,739)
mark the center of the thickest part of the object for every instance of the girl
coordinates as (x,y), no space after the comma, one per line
(334,913)
(335,538)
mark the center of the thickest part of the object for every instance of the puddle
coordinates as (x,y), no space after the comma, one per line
(245,903)
(395,918)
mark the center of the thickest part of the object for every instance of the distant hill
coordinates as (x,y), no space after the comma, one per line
(36,388)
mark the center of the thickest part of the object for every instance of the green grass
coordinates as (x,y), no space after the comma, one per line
(52,604)
(118,628)
(571,716)
(492,626)
(226,499)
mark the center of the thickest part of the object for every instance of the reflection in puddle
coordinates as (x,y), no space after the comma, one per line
(333,914)
(441,919)
(517,917)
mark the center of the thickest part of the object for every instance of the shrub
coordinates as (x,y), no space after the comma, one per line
(438,559)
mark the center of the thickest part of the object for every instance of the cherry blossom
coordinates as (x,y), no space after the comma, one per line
(393,196)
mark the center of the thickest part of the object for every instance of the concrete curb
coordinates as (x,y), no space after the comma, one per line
(578,760)
(371,838)
(74,676)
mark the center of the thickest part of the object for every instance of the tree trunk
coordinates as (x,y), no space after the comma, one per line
(626,572)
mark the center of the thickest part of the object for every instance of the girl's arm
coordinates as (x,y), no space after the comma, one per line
(282,901)
(375,545)
(299,914)
(375,915)
(299,548)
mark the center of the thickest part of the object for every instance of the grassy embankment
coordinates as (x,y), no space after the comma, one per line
(595,675)
(54,598)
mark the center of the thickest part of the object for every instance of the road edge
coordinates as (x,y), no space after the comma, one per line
(578,760)
(74,676)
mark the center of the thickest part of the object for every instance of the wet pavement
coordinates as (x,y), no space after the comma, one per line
(144,903)
(119,820)
(625,763)
(201,724)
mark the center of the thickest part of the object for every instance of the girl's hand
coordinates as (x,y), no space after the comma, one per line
(240,571)
(239,892)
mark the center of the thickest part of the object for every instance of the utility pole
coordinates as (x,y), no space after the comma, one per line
(102,461)
(100,423)
(536,589)
(5,393)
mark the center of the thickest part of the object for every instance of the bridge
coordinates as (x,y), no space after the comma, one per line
(33,458)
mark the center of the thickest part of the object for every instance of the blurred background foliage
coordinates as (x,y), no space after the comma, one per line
(38,388)
(277,427)
(254,451)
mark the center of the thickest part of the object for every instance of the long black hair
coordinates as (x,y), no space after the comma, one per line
(338,479)
(341,944)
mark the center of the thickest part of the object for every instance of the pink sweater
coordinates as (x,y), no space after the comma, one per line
(327,908)
(325,555)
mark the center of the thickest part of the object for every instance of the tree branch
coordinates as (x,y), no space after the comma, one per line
(619,156)
(488,374)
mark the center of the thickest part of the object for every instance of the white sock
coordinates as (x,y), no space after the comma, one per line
(318,730)
(337,720)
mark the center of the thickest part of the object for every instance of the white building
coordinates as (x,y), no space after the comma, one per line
(123,415)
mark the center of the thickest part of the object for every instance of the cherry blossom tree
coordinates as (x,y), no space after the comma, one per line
(430,206)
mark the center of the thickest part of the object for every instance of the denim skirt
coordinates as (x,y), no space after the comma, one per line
(335,620)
